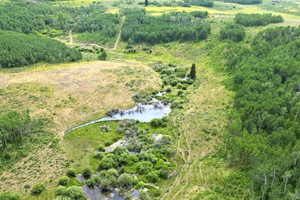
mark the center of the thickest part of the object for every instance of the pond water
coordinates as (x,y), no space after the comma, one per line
(141,112)
(97,194)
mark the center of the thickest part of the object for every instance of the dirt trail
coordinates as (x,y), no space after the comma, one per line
(120,32)
(202,113)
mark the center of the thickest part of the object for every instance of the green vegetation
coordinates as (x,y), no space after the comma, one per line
(264,128)
(246,2)
(10,196)
(142,28)
(13,126)
(38,188)
(232,31)
(72,192)
(18,50)
(91,23)
(204,3)
(257,19)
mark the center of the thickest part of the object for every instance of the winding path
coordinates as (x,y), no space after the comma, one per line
(120,32)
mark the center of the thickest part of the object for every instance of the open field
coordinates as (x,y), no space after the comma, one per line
(75,93)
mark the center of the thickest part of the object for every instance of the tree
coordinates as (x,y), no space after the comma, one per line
(193,72)
(146,2)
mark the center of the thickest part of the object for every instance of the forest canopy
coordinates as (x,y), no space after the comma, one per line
(232,31)
(91,23)
(182,26)
(264,130)
(245,2)
(257,19)
(17,49)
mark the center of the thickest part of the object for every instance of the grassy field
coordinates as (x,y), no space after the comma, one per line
(75,93)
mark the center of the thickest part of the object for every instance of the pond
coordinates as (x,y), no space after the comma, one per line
(143,112)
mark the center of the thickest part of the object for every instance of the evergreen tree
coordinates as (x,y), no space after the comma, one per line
(146,2)
(193,71)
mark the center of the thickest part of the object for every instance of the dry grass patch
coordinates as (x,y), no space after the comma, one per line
(75,93)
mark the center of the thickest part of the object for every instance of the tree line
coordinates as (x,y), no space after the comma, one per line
(17,49)
(264,127)
(140,27)
(245,2)
(204,3)
(257,19)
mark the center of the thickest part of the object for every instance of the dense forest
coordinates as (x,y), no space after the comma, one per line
(245,2)
(204,3)
(264,132)
(92,24)
(257,19)
(232,31)
(17,49)
(139,27)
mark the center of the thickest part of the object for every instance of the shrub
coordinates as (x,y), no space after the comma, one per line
(99,155)
(10,196)
(169,89)
(71,173)
(107,143)
(60,190)
(105,128)
(163,174)
(107,163)
(125,181)
(63,181)
(103,56)
(73,193)
(38,188)
(113,172)
(101,148)
(144,167)
(156,122)
(93,181)
(152,177)
(179,92)
(86,172)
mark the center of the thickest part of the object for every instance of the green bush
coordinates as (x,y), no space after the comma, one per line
(70,193)
(10,196)
(144,167)
(101,148)
(125,181)
(63,181)
(107,143)
(152,177)
(86,172)
(38,188)
(71,173)
(156,122)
